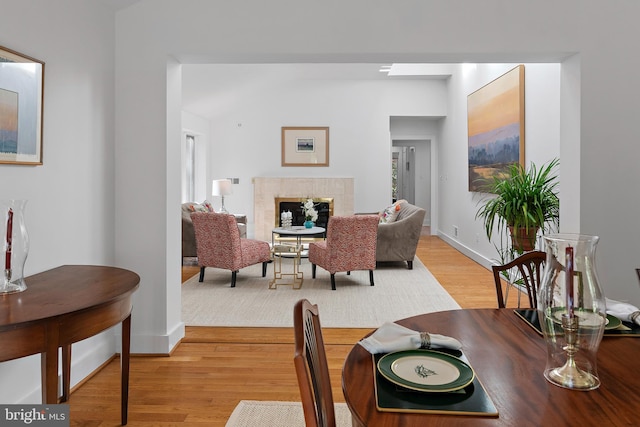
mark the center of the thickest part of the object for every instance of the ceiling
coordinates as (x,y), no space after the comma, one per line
(116,5)
(207,88)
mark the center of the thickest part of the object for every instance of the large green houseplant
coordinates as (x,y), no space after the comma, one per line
(525,201)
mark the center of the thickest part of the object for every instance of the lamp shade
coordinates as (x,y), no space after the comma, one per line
(221,187)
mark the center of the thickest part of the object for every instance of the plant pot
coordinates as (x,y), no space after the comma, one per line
(523,240)
(308,224)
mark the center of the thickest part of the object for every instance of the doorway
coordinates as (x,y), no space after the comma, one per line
(403,178)
(414,173)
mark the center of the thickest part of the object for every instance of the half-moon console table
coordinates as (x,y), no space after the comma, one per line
(62,306)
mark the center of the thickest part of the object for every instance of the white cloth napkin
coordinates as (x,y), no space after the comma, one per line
(623,311)
(393,337)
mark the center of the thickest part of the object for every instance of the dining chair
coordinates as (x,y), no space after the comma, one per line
(218,244)
(350,245)
(530,267)
(311,366)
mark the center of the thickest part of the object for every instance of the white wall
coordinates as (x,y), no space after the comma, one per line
(70,210)
(246,138)
(457,205)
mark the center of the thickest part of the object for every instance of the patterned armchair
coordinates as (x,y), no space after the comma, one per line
(350,245)
(218,244)
(188,234)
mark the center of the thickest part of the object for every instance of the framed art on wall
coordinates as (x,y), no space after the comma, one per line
(21,98)
(495,120)
(305,146)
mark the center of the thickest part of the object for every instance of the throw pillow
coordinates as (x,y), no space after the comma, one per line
(198,208)
(207,204)
(390,214)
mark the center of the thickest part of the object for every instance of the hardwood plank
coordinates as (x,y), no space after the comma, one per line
(212,369)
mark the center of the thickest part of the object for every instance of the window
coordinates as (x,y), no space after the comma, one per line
(189,179)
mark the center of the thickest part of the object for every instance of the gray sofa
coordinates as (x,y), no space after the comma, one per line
(188,234)
(398,240)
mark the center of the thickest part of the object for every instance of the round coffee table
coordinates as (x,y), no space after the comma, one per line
(299,232)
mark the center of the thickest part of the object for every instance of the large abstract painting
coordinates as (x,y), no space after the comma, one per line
(21,94)
(495,120)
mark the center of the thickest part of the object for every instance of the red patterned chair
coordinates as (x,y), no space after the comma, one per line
(219,245)
(350,246)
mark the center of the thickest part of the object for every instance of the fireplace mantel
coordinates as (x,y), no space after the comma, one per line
(266,189)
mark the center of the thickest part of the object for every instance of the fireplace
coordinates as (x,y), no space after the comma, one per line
(267,189)
(324,206)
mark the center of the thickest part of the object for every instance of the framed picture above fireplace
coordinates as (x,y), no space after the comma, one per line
(305,146)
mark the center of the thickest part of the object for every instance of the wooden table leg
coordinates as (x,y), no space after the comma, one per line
(49,366)
(66,372)
(124,367)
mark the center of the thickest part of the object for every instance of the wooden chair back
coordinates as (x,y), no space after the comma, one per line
(311,367)
(530,267)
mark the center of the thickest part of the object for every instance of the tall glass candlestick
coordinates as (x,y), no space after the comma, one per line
(571,309)
(15,245)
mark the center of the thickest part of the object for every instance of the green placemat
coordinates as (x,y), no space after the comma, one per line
(471,400)
(626,329)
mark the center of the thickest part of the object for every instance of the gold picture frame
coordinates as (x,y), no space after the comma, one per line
(305,146)
(21,107)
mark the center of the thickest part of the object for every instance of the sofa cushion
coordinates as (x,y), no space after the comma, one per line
(390,214)
(196,207)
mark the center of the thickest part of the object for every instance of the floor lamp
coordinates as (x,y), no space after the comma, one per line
(221,187)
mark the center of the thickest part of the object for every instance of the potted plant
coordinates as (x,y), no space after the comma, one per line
(310,213)
(525,201)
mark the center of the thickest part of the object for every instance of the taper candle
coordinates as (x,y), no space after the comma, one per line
(7,263)
(569,278)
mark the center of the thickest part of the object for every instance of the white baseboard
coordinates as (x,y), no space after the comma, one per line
(156,344)
(477,257)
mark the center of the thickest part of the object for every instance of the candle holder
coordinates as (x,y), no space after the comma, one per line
(572,311)
(15,245)
(570,375)
(286,218)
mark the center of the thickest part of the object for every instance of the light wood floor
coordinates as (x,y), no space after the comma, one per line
(212,369)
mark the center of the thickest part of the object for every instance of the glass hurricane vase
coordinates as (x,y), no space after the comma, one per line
(572,311)
(15,245)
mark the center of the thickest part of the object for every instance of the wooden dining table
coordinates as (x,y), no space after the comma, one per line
(508,357)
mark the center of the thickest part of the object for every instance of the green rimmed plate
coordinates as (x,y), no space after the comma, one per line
(612,322)
(426,370)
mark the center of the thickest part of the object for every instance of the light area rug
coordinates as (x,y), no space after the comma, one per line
(398,293)
(251,413)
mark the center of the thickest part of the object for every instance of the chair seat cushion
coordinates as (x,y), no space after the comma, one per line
(254,251)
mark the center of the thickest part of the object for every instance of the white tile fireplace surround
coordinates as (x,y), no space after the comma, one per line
(266,189)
